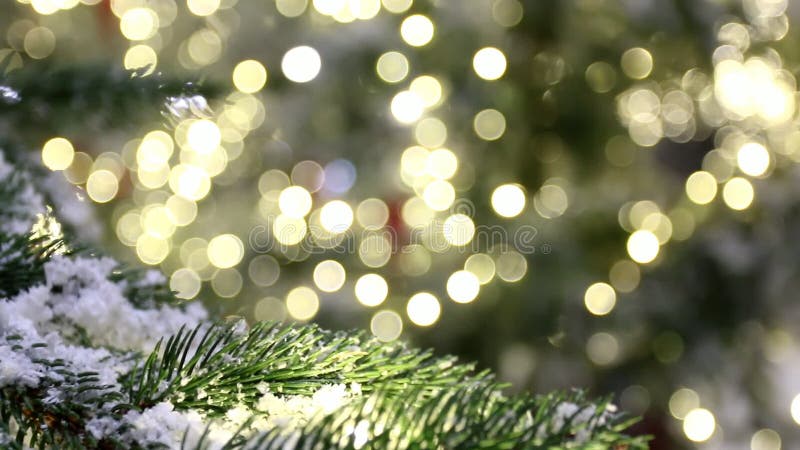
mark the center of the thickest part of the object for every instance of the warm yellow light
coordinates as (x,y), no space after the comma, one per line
(249,76)
(156,220)
(301,64)
(794,409)
(386,325)
(489,63)
(417,30)
(699,424)
(57,153)
(489,124)
(291,8)
(182,211)
(270,308)
(441,164)
(295,201)
(139,24)
(392,67)
(372,213)
(511,266)
(439,195)
(643,246)
(602,348)
(189,181)
(600,76)
(407,107)
(39,42)
(428,89)
(185,283)
(371,289)
(508,200)
(482,265)
(102,186)
(289,230)
(225,251)
(423,309)
(463,286)
(753,159)
(637,63)
(396,6)
(551,201)
(458,229)
(302,303)
(203,8)
(154,151)
(336,216)
(600,299)
(701,187)
(329,276)
(203,136)
(431,132)
(765,439)
(682,401)
(151,250)
(375,250)
(414,161)
(738,193)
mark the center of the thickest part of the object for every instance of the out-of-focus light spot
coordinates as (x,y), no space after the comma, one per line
(602,348)
(57,153)
(79,170)
(203,8)
(407,107)
(140,57)
(308,174)
(643,246)
(396,6)
(794,409)
(264,270)
(270,308)
(423,309)
(295,202)
(336,216)
(416,213)
(185,283)
(340,175)
(151,250)
(507,13)
(489,124)
(428,89)
(600,299)
(765,439)
(44,7)
(511,266)
(329,276)
(291,8)
(439,195)
(329,7)
(551,201)
(415,260)
(375,250)
(154,151)
(482,266)
(102,186)
(753,159)
(489,63)
(738,193)
(386,325)
(272,181)
(203,136)
(417,30)
(431,132)
(441,164)
(660,225)
(682,401)
(637,63)
(372,213)
(129,228)
(392,67)
(139,24)
(204,47)
(39,42)
(699,425)
(289,230)
(189,181)
(301,64)
(463,286)
(182,211)
(153,179)
(624,275)
(302,303)
(600,76)
(414,161)
(371,289)
(458,229)
(701,187)
(225,251)
(249,76)
(508,200)
(156,221)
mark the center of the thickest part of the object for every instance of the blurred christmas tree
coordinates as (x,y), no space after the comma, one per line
(586,192)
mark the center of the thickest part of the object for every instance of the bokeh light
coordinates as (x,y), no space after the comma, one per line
(301,64)
(508,200)
(463,286)
(423,309)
